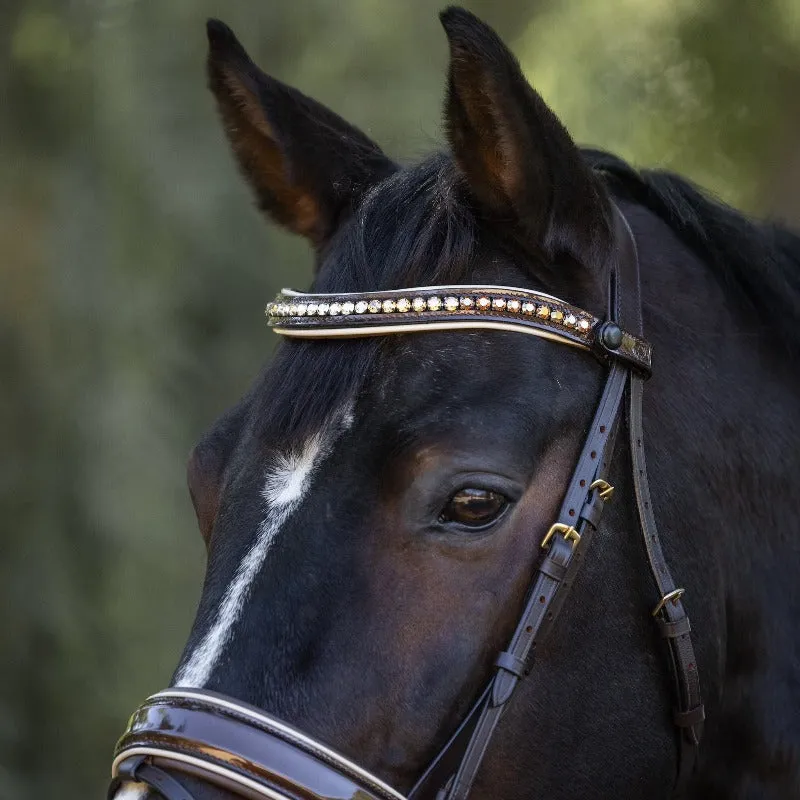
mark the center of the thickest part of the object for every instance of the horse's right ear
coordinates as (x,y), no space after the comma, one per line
(517,157)
(307,165)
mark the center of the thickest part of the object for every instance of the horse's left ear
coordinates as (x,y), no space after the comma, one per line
(308,167)
(517,157)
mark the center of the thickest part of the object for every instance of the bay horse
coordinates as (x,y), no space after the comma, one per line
(384,569)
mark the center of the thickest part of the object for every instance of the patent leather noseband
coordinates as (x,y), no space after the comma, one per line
(248,752)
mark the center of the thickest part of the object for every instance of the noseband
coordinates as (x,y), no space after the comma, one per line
(240,748)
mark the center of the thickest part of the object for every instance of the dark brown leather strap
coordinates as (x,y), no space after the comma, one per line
(140,770)
(595,501)
(568,540)
(441,770)
(671,617)
(575,520)
(673,622)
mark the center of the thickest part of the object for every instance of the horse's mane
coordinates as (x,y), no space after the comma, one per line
(416,227)
(759,262)
(413,228)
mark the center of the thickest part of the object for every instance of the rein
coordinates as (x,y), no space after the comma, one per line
(242,749)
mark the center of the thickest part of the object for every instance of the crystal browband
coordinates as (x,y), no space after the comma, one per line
(295,314)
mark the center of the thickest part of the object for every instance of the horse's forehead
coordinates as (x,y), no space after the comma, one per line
(290,469)
(287,479)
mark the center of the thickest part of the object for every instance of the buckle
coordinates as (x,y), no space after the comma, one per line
(567,531)
(606,489)
(669,597)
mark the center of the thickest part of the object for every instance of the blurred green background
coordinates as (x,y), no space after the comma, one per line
(134,271)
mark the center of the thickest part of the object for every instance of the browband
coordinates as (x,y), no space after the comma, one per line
(431,308)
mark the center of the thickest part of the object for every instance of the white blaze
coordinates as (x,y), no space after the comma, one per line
(285,485)
(131,791)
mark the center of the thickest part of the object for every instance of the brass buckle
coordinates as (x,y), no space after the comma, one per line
(669,597)
(606,489)
(567,531)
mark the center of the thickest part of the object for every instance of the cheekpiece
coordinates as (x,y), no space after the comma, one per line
(431,308)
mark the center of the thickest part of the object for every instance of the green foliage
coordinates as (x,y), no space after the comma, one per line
(670,83)
(134,272)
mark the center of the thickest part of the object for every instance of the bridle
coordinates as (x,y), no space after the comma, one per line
(242,749)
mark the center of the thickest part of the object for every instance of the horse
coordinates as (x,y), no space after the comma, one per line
(380,615)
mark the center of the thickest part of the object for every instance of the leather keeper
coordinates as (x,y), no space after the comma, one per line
(688,719)
(510,663)
(593,510)
(552,569)
(672,630)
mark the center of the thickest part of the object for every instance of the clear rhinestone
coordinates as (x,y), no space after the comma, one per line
(513,305)
(283,309)
(322,309)
(571,320)
(466,302)
(418,304)
(451,303)
(347,308)
(584,324)
(312,309)
(434,303)
(389,306)
(336,308)
(301,309)
(498,302)
(272,309)
(374,306)
(543,312)
(361,306)
(293,310)
(528,308)
(403,304)
(557,316)
(484,303)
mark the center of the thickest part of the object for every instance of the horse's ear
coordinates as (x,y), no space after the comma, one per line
(307,165)
(519,161)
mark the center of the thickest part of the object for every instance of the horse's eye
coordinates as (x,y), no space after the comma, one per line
(474,508)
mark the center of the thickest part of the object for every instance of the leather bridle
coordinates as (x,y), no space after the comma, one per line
(254,755)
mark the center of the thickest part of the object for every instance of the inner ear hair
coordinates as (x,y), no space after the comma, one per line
(518,159)
(307,165)
(260,158)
